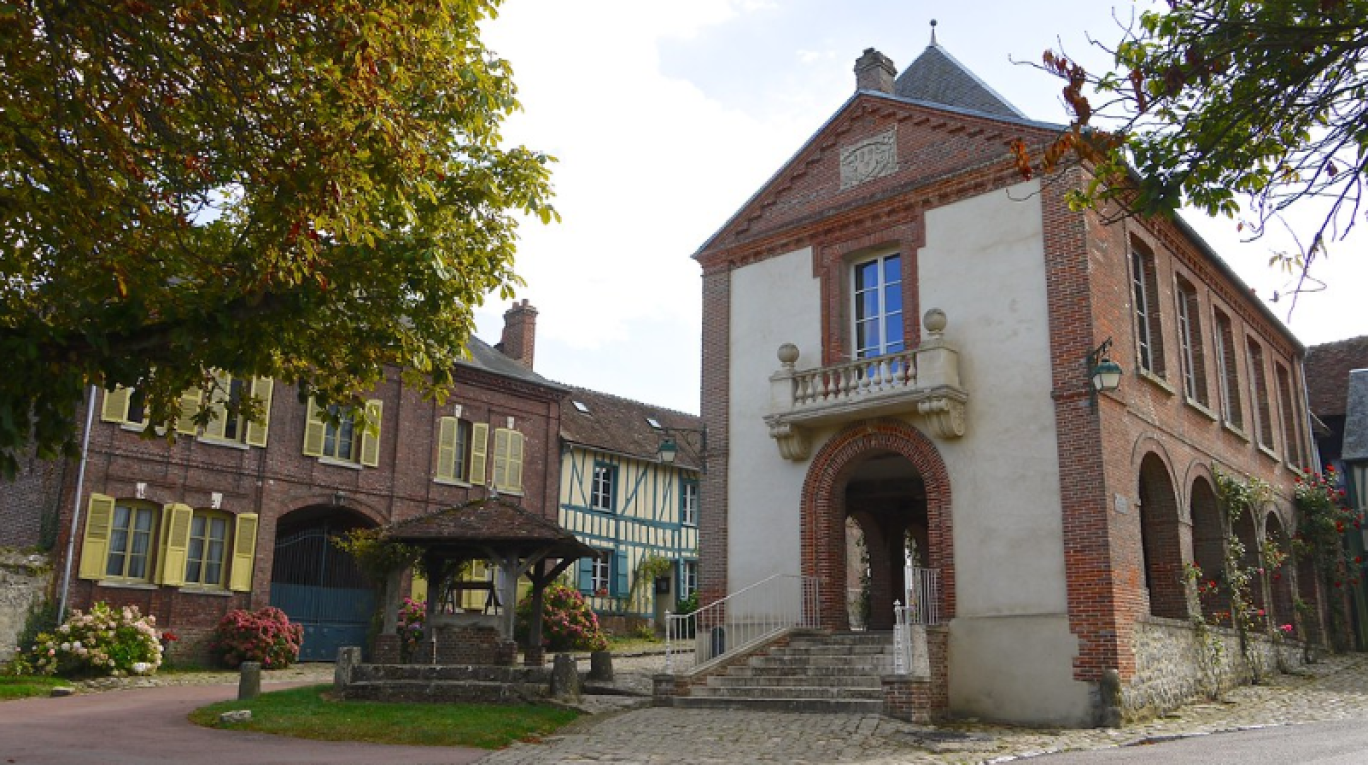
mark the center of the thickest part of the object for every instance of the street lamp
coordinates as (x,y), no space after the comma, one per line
(1104,374)
(668,450)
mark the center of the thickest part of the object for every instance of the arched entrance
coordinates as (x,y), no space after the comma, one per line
(318,585)
(883,485)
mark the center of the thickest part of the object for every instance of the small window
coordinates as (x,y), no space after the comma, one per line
(206,554)
(688,503)
(688,579)
(125,406)
(602,487)
(131,533)
(653,422)
(601,574)
(581,407)
(343,436)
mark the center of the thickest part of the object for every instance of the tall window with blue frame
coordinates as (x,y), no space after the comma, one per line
(878,306)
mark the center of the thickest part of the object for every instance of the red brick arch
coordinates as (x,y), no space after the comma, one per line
(824,511)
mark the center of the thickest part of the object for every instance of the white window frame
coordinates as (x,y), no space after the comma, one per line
(128,532)
(602,487)
(601,573)
(200,550)
(688,503)
(688,580)
(881,317)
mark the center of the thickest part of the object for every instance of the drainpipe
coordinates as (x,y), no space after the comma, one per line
(76,510)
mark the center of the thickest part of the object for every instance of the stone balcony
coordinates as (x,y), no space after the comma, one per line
(922,383)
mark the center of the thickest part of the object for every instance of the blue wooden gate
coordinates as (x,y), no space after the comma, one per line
(321,589)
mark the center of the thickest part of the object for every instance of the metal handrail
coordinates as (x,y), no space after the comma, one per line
(922,595)
(739,621)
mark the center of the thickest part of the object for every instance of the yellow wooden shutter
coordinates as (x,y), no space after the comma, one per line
(479,450)
(446,448)
(176,545)
(244,552)
(259,429)
(500,478)
(216,427)
(115,407)
(95,546)
(314,429)
(515,461)
(189,407)
(370,437)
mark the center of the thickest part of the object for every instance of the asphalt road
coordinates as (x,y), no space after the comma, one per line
(146,726)
(1334,743)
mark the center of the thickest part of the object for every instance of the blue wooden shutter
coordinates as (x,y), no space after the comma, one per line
(620,584)
(586,575)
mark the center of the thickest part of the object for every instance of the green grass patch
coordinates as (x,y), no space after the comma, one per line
(26,686)
(309,713)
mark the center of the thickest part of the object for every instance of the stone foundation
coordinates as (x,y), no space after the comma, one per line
(1174,665)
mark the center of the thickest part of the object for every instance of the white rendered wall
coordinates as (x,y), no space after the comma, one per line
(1011,649)
(773,302)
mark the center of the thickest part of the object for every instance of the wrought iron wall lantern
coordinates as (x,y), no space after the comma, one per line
(1103,373)
(669,446)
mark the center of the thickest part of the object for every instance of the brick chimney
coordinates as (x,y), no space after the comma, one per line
(874,71)
(519,340)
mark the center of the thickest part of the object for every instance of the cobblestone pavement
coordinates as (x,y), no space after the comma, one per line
(1334,689)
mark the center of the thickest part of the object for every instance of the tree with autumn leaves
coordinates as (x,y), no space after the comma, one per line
(302,189)
(1241,108)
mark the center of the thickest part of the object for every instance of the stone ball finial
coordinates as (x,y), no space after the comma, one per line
(788,354)
(934,321)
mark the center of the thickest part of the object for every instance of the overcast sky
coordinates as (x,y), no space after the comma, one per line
(666,115)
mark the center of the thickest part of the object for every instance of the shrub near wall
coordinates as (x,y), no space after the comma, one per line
(105,641)
(265,636)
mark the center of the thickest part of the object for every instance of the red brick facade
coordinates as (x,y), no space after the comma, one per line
(280,483)
(1133,463)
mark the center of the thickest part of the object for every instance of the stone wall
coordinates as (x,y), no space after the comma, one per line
(1175,665)
(24,578)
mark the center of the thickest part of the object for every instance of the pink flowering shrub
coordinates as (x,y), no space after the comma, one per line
(412,616)
(568,623)
(106,641)
(264,636)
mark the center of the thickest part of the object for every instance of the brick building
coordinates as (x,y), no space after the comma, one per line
(239,514)
(900,330)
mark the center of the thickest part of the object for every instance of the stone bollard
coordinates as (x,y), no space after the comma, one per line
(601,666)
(347,659)
(249,681)
(565,682)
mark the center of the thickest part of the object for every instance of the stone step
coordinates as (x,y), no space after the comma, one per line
(825,674)
(841,681)
(816,706)
(843,638)
(800,662)
(791,692)
(822,649)
(472,691)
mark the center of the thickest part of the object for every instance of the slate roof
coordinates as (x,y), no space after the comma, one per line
(936,77)
(1327,374)
(486,357)
(489,522)
(1356,417)
(619,426)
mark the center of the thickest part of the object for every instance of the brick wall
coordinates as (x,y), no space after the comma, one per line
(279,480)
(29,504)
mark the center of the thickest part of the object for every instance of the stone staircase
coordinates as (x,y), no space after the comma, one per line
(814,672)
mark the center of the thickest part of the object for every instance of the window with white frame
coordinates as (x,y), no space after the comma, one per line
(1231,410)
(602,487)
(688,503)
(601,573)
(206,554)
(342,435)
(1149,336)
(1190,342)
(688,578)
(131,534)
(877,311)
